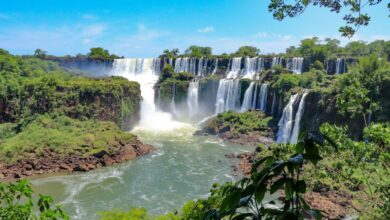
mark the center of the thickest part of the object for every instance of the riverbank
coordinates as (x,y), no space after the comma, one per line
(53,162)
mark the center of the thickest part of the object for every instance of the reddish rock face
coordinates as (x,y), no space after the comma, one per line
(52,162)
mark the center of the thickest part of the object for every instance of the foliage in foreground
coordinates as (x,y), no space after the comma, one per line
(16,202)
(59,133)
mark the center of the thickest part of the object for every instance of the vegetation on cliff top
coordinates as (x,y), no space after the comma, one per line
(30,86)
(173,84)
(241,123)
(59,134)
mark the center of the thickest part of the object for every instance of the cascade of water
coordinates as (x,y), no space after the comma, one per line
(185,64)
(156,66)
(215,67)
(263,97)
(192,66)
(235,68)
(250,67)
(260,64)
(173,104)
(193,98)
(248,97)
(228,95)
(142,71)
(254,100)
(276,61)
(295,65)
(273,107)
(200,67)
(298,117)
(340,66)
(170,61)
(285,122)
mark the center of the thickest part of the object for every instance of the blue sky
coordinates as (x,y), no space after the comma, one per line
(145,28)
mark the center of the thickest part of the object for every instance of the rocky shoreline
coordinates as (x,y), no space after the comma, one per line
(52,162)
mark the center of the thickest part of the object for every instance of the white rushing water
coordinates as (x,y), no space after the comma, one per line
(247,103)
(298,117)
(340,66)
(193,98)
(228,95)
(286,121)
(143,72)
(295,65)
(289,124)
(263,97)
(276,61)
(235,68)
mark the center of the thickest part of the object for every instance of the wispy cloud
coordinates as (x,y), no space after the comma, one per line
(206,29)
(147,34)
(94,30)
(89,17)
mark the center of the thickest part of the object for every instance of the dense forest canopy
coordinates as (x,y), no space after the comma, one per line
(311,48)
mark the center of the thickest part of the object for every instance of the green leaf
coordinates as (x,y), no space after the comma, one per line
(296,160)
(260,193)
(300,186)
(278,184)
(259,162)
(288,189)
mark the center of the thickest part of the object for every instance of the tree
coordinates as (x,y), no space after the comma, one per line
(40,53)
(16,202)
(170,53)
(355,17)
(247,51)
(198,52)
(98,52)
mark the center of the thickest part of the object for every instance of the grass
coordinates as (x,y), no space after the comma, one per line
(61,134)
(242,122)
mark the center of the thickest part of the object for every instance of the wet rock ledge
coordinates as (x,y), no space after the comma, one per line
(53,162)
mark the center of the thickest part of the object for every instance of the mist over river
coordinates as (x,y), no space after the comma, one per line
(182,168)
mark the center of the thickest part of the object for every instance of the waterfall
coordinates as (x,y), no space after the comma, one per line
(248,97)
(200,67)
(143,72)
(273,107)
(228,95)
(295,65)
(254,101)
(185,64)
(298,117)
(173,104)
(192,98)
(250,67)
(276,61)
(263,97)
(286,121)
(215,67)
(235,68)
(340,66)
(288,133)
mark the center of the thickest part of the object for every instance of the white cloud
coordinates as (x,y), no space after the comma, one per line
(261,35)
(87,40)
(94,30)
(206,29)
(147,34)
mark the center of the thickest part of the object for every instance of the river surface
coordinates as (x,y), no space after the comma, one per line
(182,168)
